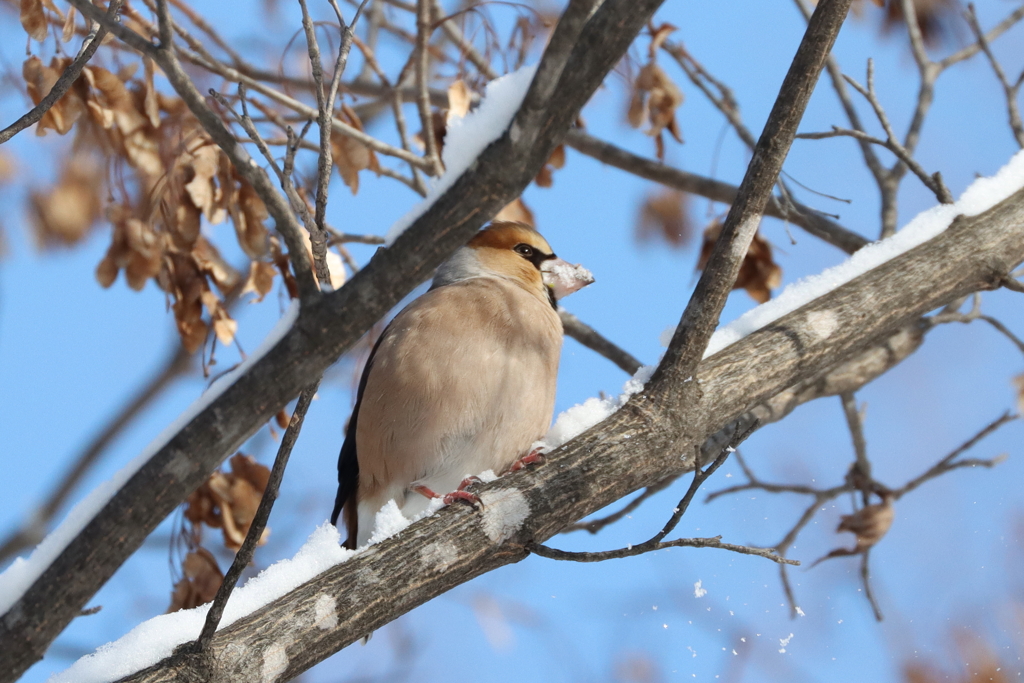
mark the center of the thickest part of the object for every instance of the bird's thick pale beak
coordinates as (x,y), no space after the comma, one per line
(564,278)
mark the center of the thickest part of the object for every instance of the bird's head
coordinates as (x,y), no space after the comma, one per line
(516,252)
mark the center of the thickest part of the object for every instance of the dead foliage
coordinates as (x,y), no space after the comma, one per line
(759,274)
(228,500)
(663,216)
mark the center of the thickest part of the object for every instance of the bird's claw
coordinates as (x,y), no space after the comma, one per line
(460,494)
(534,457)
(465,497)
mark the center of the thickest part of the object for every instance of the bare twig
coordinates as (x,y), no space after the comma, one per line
(865,578)
(1012,284)
(596,525)
(803,216)
(592,339)
(862,465)
(424,27)
(947,464)
(394,96)
(344,237)
(948,316)
(89,46)
(454,34)
(259,522)
(933,182)
(904,152)
(657,541)
(1010,91)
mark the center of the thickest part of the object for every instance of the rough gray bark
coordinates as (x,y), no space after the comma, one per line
(636,447)
(585,46)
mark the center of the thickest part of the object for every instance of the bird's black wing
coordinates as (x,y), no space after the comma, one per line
(348,462)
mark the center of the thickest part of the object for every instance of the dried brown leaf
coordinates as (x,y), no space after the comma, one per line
(759,274)
(211,262)
(459,99)
(260,280)
(870,523)
(655,99)
(69,25)
(248,216)
(33,19)
(663,215)
(64,214)
(659,35)
(200,581)
(39,80)
(350,155)
(545,178)
(516,211)
(934,18)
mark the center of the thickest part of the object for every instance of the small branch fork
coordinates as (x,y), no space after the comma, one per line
(954,316)
(657,541)
(888,179)
(1010,90)
(859,479)
(933,182)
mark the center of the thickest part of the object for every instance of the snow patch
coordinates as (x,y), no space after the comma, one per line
(583,416)
(325,613)
(23,572)
(503,514)
(275,661)
(822,324)
(152,640)
(438,556)
(982,195)
(470,135)
(390,520)
(699,592)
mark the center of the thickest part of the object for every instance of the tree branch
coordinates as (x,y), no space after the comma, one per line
(803,216)
(583,49)
(634,448)
(89,46)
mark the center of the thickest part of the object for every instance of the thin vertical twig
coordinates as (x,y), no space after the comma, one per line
(244,555)
(423,30)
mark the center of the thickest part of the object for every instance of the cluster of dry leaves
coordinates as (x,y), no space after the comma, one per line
(655,95)
(140,161)
(664,215)
(227,500)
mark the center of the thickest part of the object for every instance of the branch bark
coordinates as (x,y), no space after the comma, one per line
(635,447)
(585,45)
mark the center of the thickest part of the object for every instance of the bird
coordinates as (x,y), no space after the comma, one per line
(461,381)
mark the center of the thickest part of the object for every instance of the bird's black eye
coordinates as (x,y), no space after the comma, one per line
(524,250)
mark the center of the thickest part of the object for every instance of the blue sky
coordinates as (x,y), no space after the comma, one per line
(71,353)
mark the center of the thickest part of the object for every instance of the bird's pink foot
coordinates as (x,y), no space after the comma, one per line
(460,494)
(532,458)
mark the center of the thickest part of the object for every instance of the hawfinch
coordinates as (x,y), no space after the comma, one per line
(462,380)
